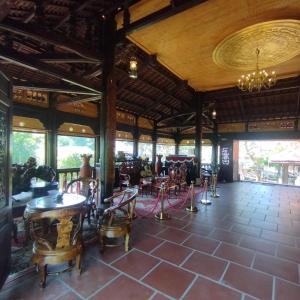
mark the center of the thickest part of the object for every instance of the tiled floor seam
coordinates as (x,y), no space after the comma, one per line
(152,269)
(135,279)
(71,289)
(188,288)
(273,288)
(103,286)
(187,258)
(120,257)
(156,247)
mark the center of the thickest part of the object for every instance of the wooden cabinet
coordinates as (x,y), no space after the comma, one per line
(5,182)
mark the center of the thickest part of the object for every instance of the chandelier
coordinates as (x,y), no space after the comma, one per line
(133,65)
(257,80)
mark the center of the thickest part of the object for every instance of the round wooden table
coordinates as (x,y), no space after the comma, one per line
(53,202)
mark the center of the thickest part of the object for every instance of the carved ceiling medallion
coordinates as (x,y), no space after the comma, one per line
(278,41)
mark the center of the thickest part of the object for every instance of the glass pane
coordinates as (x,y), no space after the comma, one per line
(26,144)
(70,148)
(187,150)
(145,150)
(206,153)
(165,150)
(125,146)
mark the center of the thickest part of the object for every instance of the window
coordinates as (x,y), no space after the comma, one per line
(145,150)
(165,150)
(70,148)
(206,154)
(124,146)
(188,150)
(26,144)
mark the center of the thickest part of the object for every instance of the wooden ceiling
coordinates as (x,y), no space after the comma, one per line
(185,42)
(56,46)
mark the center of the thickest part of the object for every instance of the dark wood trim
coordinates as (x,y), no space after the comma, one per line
(42,35)
(162,14)
(62,88)
(36,65)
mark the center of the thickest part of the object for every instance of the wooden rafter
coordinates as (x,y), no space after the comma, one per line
(80,99)
(42,35)
(61,88)
(36,65)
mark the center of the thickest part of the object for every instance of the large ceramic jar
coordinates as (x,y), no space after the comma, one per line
(86,170)
(158,165)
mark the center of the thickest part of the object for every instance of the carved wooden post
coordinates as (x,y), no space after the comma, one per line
(154,140)
(51,158)
(135,138)
(198,136)
(108,111)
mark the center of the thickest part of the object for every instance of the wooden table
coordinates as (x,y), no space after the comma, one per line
(51,203)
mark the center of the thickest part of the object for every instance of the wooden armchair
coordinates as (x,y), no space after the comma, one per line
(124,181)
(117,219)
(88,188)
(60,242)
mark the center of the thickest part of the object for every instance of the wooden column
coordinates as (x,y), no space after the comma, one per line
(215,147)
(135,138)
(198,136)
(177,141)
(51,144)
(108,111)
(154,141)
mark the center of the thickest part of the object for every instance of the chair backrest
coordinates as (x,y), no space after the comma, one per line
(127,201)
(68,224)
(86,187)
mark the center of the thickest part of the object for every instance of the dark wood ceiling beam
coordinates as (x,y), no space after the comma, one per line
(160,15)
(75,11)
(79,99)
(184,113)
(148,98)
(36,65)
(62,88)
(59,58)
(42,35)
(96,71)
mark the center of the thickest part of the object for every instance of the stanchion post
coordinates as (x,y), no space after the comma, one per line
(192,207)
(204,200)
(214,186)
(162,215)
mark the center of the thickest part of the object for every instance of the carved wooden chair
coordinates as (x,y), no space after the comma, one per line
(58,243)
(124,181)
(117,219)
(88,188)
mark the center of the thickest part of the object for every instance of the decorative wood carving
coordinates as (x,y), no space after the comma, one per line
(31,97)
(232,127)
(278,125)
(125,118)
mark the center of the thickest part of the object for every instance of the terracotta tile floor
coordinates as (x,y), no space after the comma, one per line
(246,246)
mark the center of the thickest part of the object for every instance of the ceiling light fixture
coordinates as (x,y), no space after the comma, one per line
(214,114)
(133,68)
(257,80)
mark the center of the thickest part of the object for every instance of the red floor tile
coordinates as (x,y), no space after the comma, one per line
(170,280)
(249,281)
(202,244)
(147,243)
(69,296)
(95,274)
(278,237)
(136,263)
(199,229)
(264,225)
(235,254)
(159,297)
(30,289)
(226,236)
(278,267)
(258,245)
(172,252)
(286,291)
(248,230)
(290,253)
(207,265)
(124,288)
(204,289)
(174,235)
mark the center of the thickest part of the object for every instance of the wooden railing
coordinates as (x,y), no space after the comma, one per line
(66,175)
